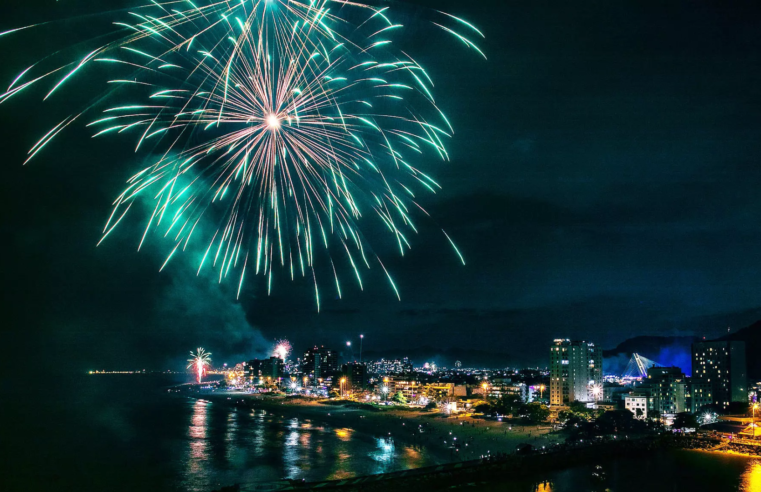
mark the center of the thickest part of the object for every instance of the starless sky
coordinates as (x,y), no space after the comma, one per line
(603,184)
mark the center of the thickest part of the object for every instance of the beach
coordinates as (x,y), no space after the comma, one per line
(447,438)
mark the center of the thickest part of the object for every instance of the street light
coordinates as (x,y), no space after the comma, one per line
(343,380)
(361,339)
(596,391)
(755,406)
(541,391)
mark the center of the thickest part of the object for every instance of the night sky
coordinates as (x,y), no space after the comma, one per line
(603,184)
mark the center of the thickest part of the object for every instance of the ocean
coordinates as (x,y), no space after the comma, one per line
(127,433)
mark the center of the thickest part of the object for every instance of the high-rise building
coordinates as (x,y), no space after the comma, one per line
(692,395)
(265,370)
(575,372)
(356,376)
(722,364)
(664,384)
(319,363)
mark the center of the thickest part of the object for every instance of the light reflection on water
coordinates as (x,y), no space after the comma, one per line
(198,446)
(751,479)
(240,446)
(385,451)
(225,445)
(123,433)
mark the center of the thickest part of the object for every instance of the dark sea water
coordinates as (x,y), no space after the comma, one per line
(125,432)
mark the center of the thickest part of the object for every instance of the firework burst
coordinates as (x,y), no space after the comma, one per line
(199,360)
(282,122)
(282,349)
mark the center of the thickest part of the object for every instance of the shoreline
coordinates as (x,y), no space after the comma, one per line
(448,468)
(446,439)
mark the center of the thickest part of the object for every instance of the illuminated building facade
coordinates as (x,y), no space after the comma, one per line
(664,383)
(320,363)
(356,376)
(499,387)
(639,405)
(575,372)
(413,390)
(722,364)
(692,396)
(262,371)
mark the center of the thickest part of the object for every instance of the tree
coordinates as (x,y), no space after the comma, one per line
(618,421)
(579,407)
(535,412)
(685,420)
(507,404)
(482,408)
(431,406)
(400,398)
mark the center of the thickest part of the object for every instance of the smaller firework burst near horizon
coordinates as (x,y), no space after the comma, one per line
(282,349)
(200,360)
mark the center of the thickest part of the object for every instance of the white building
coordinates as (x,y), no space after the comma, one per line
(575,372)
(635,403)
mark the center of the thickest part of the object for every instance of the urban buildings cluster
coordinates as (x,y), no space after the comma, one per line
(575,374)
(719,377)
(318,373)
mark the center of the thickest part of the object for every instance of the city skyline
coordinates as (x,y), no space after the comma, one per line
(416,245)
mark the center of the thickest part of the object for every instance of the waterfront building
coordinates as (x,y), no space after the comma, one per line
(414,390)
(693,395)
(499,387)
(261,371)
(356,376)
(575,372)
(319,363)
(664,382)
(438,391)
(722,364)
(411,389)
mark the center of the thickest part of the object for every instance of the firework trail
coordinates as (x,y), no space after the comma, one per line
(283,122)
(282,349)
(200,360)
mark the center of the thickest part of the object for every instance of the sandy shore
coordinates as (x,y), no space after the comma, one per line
(446,438)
